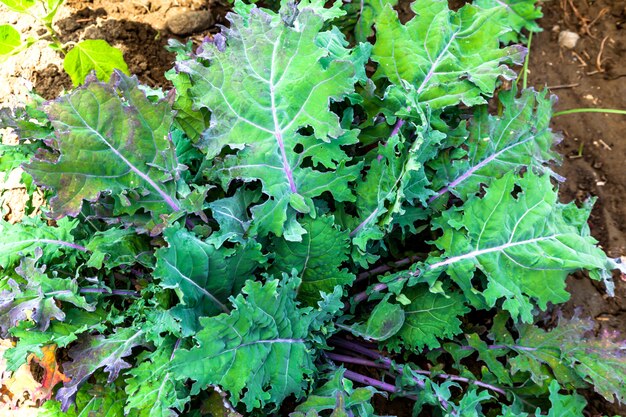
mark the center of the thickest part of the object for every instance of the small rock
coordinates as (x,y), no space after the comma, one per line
(189,22)
(568,39)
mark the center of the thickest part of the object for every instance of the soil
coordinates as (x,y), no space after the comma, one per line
(590,75)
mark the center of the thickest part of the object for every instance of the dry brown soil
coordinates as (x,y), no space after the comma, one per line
(592,74)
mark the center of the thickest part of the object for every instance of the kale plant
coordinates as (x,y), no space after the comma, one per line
(310,219)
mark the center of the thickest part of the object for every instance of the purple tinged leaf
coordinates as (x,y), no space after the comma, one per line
(94,352)
(111,138)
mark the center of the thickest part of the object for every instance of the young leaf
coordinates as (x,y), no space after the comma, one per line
(507,235)
(32,233)
(317,259)
(262,345)
(115,247)
(10,40)
(519,138)
(449,57)
(564,405)
(203,275)
(152,389)
(37,298)
(231,214)
(369,10)
(93,55)
(429,318)
(95,352)
(264,83)
(339,396)
(111,138)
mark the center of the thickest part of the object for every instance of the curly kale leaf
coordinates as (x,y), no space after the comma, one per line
(522,239)
(448,57)
(265,345)
(265,81)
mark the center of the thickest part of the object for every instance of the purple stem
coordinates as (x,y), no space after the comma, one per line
(366,380)
(112,292)
(176,345)
(387,267)
(396,127)
(362,296)
(63,243)
(388,363)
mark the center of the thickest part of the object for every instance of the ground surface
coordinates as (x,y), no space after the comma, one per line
(593,74)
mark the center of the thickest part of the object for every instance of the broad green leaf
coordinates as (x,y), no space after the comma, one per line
(519,237)
(112,139)
(449,57)
(520,14)
(203,275)
(266,80)
(38,298)
(317,259)
(19,5)
(339,396)
(10,40)
(430,318)
(23,238)
(94,352)
(517,139)
(574,355)
(152,389)
(93,55)
(262,345)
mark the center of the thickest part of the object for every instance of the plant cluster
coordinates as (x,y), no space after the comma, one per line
(79,58)
(325,209)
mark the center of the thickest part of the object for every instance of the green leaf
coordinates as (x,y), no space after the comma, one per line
(429,318)
(94,352)
(93,55)
(573,354)
(395,179)
(37,298)
(368,15)
(565,405)
(317,259)
(519,237)
(203,275)
(519,15)
(111,138)
(449,57)
(19,5)
(116,247)
(10,40)
(339,396)
(263,345)
(266,80)
(231,214)
(519,138)
(384,322)
(23,238)
(152,389)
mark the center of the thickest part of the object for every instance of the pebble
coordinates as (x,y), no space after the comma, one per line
(189,22)
(568,39)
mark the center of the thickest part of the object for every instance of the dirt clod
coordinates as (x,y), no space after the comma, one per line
(189,22)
